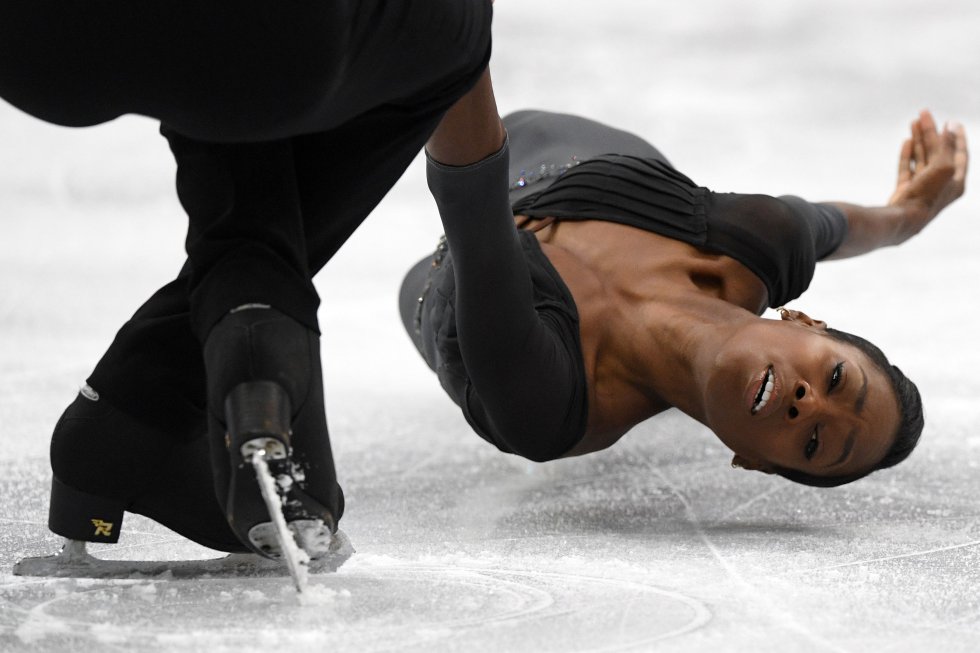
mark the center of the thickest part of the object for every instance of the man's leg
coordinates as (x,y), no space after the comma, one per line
(121,441)
(154,370)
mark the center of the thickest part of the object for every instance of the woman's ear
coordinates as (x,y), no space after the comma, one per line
(801,318)
(738,462)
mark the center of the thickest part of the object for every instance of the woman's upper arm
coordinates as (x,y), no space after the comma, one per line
(826,223)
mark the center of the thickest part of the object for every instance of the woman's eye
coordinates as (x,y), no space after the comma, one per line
(836,375)
(811,445)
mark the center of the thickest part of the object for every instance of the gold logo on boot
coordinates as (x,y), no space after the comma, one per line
(102,528)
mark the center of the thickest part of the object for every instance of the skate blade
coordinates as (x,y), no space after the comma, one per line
(75,562)
(296,559)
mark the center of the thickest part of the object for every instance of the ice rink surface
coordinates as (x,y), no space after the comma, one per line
(655,544)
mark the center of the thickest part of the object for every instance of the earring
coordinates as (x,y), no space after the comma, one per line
(736,465)
(783,312)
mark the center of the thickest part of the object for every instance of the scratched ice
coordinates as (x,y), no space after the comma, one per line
(654,544)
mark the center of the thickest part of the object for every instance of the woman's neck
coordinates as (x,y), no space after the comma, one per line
(674,350)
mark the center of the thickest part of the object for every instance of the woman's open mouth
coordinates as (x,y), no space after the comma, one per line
(763,392)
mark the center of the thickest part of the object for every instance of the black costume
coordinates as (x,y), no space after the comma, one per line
(492,316)
(289,122)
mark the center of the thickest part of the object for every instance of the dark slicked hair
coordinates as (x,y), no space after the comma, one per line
(910,424)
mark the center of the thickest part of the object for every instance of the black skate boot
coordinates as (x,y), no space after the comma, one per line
(265,399)
(106,462)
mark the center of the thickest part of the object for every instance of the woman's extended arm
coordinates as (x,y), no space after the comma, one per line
(931,175)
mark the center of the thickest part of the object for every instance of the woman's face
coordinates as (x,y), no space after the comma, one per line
(783,394)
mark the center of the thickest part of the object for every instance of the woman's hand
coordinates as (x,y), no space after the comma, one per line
(931,174)
(931,171)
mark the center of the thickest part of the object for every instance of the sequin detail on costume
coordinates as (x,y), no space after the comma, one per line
(543,171)
(441,249)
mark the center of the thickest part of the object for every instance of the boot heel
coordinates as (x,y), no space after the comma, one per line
(82,516)
(258,416)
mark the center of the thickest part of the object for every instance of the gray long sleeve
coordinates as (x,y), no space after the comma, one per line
(523,359)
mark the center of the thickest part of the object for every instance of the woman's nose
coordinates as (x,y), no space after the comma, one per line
(801,401)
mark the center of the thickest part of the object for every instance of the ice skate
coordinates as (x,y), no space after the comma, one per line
(89,502)
(271,460)
(106,463)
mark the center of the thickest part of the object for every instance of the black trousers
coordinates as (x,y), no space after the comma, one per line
(289,122)
(154,369)
(261,101)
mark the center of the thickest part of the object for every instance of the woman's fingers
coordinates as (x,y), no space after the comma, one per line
(918,146)
(905,162)
(961,155)
(904,172)
(930,137)
(932,167)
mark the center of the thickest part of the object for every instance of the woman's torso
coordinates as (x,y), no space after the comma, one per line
(635,245)
(624,281)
